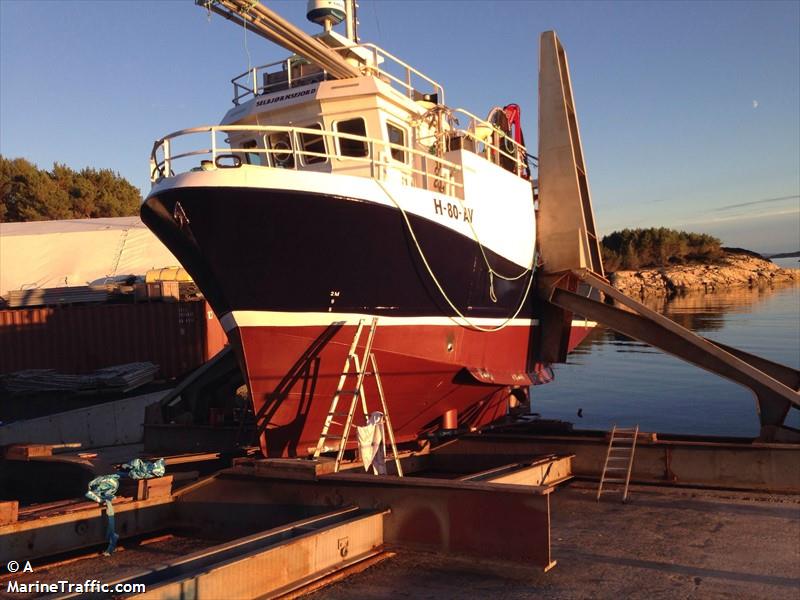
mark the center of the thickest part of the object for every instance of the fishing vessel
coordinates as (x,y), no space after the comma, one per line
(341,188)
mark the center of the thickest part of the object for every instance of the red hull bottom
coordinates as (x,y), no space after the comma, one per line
(421,369)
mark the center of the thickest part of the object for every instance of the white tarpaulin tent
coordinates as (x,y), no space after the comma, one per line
(43,254)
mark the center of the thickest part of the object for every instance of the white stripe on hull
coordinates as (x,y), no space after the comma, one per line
(259,318)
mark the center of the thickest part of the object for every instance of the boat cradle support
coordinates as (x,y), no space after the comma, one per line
(268,513)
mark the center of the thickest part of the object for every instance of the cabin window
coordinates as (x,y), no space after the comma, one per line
(313,144)
(253,158)
(281,146)
(397,136)
(352,147)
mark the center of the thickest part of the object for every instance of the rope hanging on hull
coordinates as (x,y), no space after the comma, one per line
(469,324)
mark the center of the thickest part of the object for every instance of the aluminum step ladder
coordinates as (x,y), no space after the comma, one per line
(619,461)
(360,365)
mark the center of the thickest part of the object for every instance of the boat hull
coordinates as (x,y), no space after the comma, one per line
(280,266)
(421,379)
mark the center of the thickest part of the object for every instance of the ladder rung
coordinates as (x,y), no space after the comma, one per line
(612,491)
(617,458)
(616,468)
(335,414)
(333,437)
(615,479)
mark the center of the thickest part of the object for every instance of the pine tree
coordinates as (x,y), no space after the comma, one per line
(28,193)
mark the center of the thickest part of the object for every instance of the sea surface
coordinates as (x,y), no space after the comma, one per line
(616,380)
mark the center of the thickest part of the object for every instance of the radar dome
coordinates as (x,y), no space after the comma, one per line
(322,11)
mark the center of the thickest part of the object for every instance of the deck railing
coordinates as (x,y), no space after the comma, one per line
(404,75)
(292,72)
(295,71)
(424,170)
(480,133)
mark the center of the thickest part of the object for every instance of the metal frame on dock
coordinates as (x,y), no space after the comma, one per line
(314,522)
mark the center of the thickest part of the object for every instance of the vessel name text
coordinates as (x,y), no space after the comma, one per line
(283,97)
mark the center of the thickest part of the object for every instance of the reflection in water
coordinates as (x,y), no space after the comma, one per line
(618,380)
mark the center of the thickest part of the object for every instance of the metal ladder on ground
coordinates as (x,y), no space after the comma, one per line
(619,460)
(361,364)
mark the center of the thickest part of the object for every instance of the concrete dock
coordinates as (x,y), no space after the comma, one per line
(664,543)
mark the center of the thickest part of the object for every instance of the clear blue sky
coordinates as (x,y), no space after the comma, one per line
(690,112)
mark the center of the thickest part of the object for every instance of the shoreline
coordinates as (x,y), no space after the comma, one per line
(732,271)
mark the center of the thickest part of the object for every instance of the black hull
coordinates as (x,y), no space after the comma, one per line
(255,249)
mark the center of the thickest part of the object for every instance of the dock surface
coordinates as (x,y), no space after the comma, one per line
(664,543)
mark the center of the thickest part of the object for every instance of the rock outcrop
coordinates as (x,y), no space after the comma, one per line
(733,270)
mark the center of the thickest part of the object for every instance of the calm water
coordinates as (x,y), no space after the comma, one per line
(617,380)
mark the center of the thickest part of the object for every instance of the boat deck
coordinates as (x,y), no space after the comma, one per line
(664,543)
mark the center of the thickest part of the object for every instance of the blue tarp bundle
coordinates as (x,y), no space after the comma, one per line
(142,469)
(102,490)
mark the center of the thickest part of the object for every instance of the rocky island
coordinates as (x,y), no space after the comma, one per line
(664,262)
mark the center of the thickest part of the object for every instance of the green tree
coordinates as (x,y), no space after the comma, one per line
(656,247)
(28,193)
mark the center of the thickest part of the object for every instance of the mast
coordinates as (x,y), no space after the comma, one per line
(273,27)
(351,20)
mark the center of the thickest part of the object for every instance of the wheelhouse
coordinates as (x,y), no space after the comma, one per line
(389,124)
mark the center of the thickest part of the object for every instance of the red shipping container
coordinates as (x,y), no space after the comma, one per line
(177,336)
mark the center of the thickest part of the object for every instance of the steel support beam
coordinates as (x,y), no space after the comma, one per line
(269,563)
(773,395)
(486,520)
(35,536)
(740,466)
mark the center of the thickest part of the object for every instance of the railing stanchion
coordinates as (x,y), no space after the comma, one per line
(167,168)
(213,146)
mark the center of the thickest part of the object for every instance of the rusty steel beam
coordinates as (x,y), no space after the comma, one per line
(269,563)
(739,466)
(786,375)
(432,514)
(38,535)
(551,470)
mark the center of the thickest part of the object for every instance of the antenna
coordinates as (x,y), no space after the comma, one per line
(327,12)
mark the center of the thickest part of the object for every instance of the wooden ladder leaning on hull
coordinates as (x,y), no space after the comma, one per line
(361,365)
